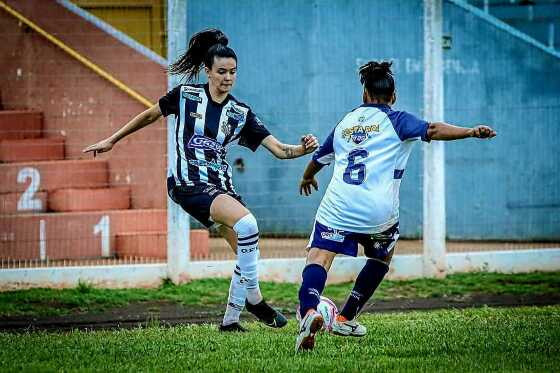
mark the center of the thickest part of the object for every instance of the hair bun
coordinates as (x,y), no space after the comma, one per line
(377,67)
(375,70)
(222,39)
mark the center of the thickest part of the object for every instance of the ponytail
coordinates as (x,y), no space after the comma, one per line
(203,47)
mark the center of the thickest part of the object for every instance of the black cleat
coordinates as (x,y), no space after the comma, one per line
(266,314)
(235,327)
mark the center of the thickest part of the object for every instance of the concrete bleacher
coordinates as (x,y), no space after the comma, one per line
(539,19)
(55,208)
(55,202)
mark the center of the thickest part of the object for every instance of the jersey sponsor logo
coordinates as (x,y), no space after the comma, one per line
(205,143)
(259,121)
(213,165)
(359,133)
(235,114)
(359,137)
(190,96)
(225,128)
(335,235)
(196,115)
(192,89)
(211,190)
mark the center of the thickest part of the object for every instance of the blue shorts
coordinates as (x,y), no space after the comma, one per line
(196,200)
(376,245)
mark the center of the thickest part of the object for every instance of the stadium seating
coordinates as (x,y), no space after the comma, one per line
(539,19)
(57,208)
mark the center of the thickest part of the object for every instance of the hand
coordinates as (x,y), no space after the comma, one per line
(100,147)
(309,143)
(482,132)
(305,186)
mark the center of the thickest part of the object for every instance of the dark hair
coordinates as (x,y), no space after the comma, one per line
(377,79)
(203,47)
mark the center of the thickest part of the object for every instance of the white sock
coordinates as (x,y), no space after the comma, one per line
(236,299)
(248,255)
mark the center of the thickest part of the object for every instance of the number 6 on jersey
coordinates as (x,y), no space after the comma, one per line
(355,172)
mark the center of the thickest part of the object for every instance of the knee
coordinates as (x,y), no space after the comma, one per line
(246,226)
(381,256)
(320,257)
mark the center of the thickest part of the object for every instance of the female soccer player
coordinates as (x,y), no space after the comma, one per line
(208,121)
(370,147)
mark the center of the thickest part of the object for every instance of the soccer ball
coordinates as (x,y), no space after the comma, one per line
(327,309)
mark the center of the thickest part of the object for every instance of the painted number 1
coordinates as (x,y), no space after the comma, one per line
(103,227)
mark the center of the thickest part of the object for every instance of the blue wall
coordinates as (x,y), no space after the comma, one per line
(298,71)
(509,187)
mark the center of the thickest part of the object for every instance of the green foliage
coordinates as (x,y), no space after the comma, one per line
(85,298)
(483,339)
(84,287)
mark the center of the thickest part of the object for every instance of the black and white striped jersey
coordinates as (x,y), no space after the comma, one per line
(204,130)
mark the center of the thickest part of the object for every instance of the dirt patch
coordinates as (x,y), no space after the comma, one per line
(168,313)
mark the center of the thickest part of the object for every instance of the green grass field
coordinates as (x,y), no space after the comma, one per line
(49,302)
(483,339)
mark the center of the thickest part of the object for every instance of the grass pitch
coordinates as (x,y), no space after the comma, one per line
(84,298)
(484,339)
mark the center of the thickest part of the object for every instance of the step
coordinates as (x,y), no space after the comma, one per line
(42,149)
(536,13)
(20,124)
(68,200)
(154,244)
(72,235)
(12,203)
(52,175)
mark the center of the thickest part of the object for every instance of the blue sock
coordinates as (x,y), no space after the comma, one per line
(314,277)
(367,282)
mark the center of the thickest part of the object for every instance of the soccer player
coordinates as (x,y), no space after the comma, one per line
(208,121)
(370,147)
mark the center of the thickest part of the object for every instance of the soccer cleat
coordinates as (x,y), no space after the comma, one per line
(341,326)
(234,327)
(266,314)
(309,326)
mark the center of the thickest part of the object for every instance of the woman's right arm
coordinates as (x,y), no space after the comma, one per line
(308,179)
(141,120)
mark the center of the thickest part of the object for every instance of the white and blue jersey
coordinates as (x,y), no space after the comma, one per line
(370,147)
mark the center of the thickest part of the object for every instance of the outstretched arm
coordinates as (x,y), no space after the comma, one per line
(444,131)
(141,120)
(309,144)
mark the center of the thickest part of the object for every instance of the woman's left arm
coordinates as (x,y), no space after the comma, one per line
(309,144)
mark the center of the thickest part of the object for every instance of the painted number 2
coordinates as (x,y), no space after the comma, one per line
(355,172)
(26,201)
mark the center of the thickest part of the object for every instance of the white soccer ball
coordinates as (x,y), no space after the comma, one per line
(327,309)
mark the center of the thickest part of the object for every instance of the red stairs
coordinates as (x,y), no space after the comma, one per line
(54,208)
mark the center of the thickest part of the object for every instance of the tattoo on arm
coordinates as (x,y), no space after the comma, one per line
(289,151)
